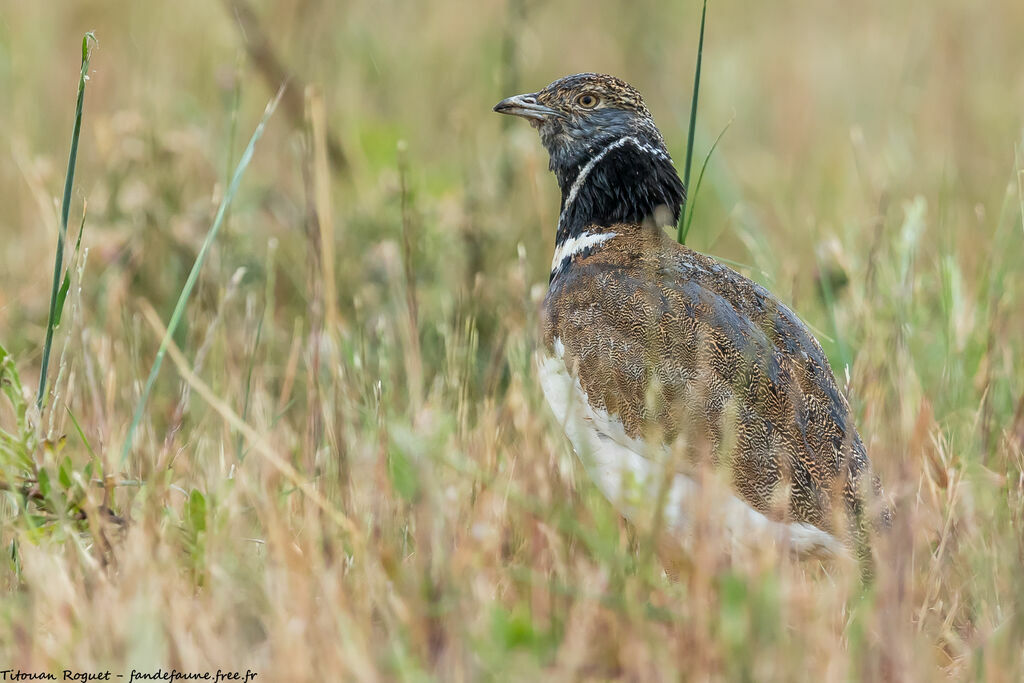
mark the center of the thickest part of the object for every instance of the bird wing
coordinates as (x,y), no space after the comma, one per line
(669,343)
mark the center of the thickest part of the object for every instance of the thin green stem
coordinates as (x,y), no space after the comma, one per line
(680,235)
(1020,182)
(692,204)
(65,209)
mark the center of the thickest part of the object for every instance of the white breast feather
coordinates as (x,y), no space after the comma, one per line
(631,480)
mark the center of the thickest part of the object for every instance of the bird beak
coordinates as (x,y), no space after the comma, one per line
(525,106)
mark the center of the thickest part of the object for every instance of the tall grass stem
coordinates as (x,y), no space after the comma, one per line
(680,234)
(65,209)
(687,216)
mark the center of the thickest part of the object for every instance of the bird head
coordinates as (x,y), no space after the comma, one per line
(577,115)
(589,118)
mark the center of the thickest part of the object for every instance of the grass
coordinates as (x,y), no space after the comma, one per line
(190,283)
(684,220)
(370,487)
(59,291)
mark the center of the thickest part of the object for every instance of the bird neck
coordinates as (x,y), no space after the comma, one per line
(629,180)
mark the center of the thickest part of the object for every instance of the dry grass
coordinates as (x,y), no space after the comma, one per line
(368,485)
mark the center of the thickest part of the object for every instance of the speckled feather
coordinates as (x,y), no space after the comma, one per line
(723,355)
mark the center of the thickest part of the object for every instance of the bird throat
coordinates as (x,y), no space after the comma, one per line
(629,180)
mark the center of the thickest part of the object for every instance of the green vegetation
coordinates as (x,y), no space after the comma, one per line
(685,219)
(59,291)
(346,469)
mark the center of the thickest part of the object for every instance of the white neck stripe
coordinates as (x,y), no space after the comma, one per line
(575,245)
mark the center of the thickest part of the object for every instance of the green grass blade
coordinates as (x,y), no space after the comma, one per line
(700,177)
(65,209)
(81,434)
(680,236)
(62,295)
(193,276)
(1020,182)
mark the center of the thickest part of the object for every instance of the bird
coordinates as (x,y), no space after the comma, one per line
(658,360)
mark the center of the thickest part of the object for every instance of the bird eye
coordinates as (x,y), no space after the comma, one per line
(587,101)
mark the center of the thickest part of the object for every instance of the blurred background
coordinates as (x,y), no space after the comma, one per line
(869,175)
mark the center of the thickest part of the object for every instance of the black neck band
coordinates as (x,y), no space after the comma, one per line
(626,181)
